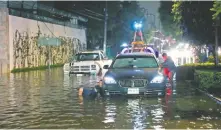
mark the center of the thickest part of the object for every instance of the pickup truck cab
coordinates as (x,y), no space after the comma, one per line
(87,62)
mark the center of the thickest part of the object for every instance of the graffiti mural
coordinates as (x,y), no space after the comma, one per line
(27,52)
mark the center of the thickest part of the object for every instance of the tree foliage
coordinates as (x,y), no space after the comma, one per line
(121,16)
(122,31)
(216,8)
(94,12)
(195,19)
(170,28)
(177,13)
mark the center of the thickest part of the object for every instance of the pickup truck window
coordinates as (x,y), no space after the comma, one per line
(87,56)
(135,62)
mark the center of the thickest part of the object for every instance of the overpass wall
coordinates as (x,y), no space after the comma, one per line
(20,37)
(4,41)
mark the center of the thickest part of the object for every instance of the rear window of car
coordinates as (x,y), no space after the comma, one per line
(135,62)
(129,50)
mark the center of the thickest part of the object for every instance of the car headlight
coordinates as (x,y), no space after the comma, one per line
(109,80)
(157,79)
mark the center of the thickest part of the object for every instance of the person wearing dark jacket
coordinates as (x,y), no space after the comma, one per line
(169,65)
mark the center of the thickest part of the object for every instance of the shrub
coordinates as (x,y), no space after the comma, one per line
(203,65)
(186,72)
(207,79)
(35,68)
(211,59)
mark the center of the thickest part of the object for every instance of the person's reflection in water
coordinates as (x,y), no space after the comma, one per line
(168,105)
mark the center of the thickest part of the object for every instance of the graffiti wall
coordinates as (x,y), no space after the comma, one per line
(25,50)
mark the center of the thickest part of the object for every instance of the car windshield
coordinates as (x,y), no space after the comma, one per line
(135,62)
(87,56)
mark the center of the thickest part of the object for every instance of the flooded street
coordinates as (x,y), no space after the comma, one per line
(43,99)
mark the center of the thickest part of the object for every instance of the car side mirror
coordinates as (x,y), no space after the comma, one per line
(106,67)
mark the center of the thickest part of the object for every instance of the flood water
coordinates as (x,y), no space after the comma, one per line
(48,99)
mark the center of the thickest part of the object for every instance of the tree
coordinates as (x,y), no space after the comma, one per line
(170,28)
(122,31)
(195,19)
(121,16)
(216,8)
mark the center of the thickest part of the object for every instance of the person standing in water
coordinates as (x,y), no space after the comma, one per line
(169,66)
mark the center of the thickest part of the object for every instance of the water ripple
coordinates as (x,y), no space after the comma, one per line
(49,100)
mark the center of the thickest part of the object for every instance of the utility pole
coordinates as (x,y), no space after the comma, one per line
(105,28)
(216,41)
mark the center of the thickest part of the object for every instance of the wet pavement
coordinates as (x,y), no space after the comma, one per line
(43,99)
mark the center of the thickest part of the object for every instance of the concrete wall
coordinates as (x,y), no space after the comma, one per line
(25,51)
(4,44)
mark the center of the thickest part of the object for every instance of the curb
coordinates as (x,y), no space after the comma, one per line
(216,99)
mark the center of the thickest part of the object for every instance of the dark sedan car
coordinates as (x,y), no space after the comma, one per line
(134,74)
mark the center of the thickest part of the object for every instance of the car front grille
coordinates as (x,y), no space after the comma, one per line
(75,68)
(133,83)
(81,68)
(85,68)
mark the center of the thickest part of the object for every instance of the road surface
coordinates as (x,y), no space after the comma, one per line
(48,99)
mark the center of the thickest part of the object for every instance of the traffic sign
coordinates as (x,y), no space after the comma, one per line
(44,41)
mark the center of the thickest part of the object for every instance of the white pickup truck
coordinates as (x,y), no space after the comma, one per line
(87,62)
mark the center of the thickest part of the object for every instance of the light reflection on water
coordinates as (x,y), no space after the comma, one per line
(43,99)
(138,114)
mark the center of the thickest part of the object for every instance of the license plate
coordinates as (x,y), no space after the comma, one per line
(133,91)
(79,74)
